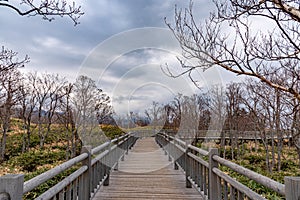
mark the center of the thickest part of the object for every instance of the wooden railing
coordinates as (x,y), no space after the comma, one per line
(203,173)
(227,134)
(94,167)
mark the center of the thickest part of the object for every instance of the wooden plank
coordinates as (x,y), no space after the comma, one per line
(146,173)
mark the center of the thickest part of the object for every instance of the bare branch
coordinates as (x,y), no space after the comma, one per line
(47,9)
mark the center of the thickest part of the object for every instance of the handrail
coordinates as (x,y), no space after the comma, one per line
(201,151)
(245,190)
(99,148)
(40,179)
(265,181)
(61,185)
(201,169)
(91,174)
(206,176)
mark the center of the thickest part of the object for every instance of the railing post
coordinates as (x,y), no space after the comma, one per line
(88,174)
(107,164)
(128,141)
(292,188)
(175,155)
(187,166)
(11,187)
(170,150)
(212,177)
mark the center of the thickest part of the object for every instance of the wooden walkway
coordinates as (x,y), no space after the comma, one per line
(146,173)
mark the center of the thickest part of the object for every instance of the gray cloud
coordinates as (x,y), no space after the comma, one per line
(126,67)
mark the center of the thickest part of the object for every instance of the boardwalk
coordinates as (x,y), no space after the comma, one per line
(146,173)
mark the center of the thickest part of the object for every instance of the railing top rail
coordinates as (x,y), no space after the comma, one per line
(107,143)
(265,181)
(261,179)
(100,147)
(179,141)
(198,150)
(40,179)
(61,185)
(244,189)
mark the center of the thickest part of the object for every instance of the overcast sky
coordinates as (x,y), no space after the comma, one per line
(120,44)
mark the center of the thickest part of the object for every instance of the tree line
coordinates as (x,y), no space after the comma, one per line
(237,109)
(45,99)
(231,39)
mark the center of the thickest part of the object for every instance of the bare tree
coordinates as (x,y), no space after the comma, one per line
(103,108)
(56,86)
(49,91)
(217,107)
(87,99)
(9,60)
(244,50)
(266,106)
(67,119)
(28,103)
(9,83)
(155,114)
(256,107)
(291,122)
(234,93)
(45,8)
(173,112)
(9,86)
(42,87)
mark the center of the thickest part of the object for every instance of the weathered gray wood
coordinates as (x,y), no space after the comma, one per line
(87,176)
(40,179)
(4,196)
(200,151)
(270,183)
(11,186)
(64,183)
(61,195)
(146,173)
(213,178)
(237,185)
(188,166)
(292,188)
(75,187)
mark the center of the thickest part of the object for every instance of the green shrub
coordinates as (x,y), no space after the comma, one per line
(112,131)
(47,185)
(288,164)
(254,158)
(29,161)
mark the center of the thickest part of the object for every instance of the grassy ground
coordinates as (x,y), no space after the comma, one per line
(36,160)
(255,161)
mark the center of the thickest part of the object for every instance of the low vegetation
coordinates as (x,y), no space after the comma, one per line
(36,160)
(255,160)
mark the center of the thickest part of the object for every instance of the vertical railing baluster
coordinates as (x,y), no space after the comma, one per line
(87,176)
(201,178)
(68,192)
(219,189)
(225,190)
(187,166)
(213,178)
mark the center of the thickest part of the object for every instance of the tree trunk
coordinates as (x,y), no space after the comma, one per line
(278,132)
(273,150)
(223,143)
(3,145)
(256,142)
(269,168)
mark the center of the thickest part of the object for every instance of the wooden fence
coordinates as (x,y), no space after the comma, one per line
(94,167)
(202,172)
